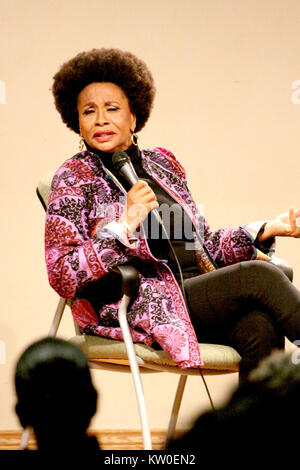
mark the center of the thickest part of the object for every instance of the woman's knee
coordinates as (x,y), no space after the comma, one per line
(258,268)
(258,276)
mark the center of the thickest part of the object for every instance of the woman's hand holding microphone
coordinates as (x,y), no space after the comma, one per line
(140,201)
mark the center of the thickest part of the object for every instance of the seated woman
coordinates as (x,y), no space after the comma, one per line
(196,285)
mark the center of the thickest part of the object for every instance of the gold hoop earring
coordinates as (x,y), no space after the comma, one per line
(134,138)
(81,144)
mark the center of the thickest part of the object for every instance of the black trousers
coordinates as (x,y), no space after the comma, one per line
(250,306)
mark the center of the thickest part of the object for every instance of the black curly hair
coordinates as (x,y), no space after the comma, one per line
(104,65)
(51,377)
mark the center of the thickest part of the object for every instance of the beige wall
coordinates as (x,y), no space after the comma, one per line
(224,72)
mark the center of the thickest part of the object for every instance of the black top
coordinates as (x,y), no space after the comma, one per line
(177,223)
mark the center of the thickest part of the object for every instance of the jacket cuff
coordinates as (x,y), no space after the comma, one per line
(263,250)
(118,231)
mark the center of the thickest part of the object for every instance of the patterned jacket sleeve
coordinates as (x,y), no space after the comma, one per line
(74,255)
(232,245)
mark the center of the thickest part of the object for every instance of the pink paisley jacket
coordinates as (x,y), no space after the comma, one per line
(82,249)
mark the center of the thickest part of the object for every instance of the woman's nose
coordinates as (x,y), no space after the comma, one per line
(101,119)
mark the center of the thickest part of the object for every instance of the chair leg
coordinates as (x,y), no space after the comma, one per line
(53,330)
(25,438)
(135,372)
(77,329)
(57,317)
(175,409)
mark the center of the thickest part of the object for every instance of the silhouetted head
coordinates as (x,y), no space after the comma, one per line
(54,390)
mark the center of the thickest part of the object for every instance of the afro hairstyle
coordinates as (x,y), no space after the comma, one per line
(104,65)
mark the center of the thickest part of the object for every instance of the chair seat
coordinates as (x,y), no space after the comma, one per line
(216,357)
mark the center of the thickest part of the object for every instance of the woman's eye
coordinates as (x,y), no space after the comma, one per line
(113,108)
(88,111)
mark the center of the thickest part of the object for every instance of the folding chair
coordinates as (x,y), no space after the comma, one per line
(124,356)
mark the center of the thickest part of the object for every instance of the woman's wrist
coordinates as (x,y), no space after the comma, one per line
(268,232)
(126,226)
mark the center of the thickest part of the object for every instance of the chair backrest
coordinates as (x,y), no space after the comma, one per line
(43,191)
(43,188)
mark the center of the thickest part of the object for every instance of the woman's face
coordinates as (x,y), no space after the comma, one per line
(105,119)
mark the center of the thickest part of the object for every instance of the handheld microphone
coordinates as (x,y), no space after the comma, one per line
(122,163)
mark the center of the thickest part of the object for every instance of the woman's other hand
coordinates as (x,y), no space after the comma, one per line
(140,201)
(285,225)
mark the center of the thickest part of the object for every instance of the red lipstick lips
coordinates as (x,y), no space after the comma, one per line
(103,136)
